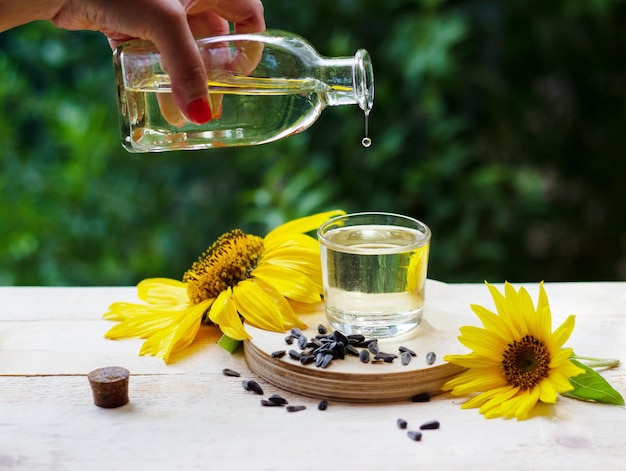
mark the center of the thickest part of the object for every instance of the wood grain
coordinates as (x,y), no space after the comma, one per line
(187,415)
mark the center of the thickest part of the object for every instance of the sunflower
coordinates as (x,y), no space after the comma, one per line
(517,360)
(239,276)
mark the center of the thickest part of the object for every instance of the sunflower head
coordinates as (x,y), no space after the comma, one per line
(240,276)
(516,360)
(229,260)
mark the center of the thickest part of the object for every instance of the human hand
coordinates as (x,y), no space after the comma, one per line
(171,26)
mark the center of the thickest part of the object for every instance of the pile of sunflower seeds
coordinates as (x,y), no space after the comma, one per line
(325,347)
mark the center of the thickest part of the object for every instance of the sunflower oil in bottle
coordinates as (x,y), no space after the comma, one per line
(262,87)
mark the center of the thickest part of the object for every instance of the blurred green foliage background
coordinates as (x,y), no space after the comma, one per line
(501,124)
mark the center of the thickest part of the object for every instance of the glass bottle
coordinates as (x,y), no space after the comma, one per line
(262,87)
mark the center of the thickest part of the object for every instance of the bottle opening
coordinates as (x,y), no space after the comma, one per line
(364,80)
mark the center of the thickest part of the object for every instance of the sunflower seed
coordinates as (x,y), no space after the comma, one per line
(295,408)
(373,346)
(327,358)
(229,372)
(289,339)
(323,405)
(294,354)
(362,344)
(431,357)
(340,350)
(356,338)
(352,350)
(404,349)
(297,333)
(324,350)
(421,397)
(251,385)
(268,403)
(277,399)
(321,328)
(306,359)
(402,423)
(405,358)
(339,337)
(431,425)
(414,435)
(386,357)
(278,354)
(302,341)
(364,356)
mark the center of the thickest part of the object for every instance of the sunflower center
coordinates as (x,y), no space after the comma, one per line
(526,362)
(230,259)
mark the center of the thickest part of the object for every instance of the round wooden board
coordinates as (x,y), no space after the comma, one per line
(351,380)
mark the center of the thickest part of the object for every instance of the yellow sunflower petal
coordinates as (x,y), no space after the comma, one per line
(475,381)
(543,314)
(121,311)
(502,307)
(547,392)
(560,357)
(561,377)
(303,225)
(562,333)
(491,321)
(511,309)
(520,405)
(225,315)
(525,312)
(255,306)
(177,336)
(483,342)
(290,319)
(291,283)
(491,398)
(145,325)
(162,291)
(306,260)
(290,241)
(472,360)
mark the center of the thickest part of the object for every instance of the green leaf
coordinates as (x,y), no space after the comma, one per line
(228,344)
(591,386)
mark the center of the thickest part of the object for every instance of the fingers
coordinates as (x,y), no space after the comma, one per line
(183,62)
(179,53)
(246,15)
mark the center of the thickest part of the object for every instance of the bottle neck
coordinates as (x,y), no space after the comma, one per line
(350,80)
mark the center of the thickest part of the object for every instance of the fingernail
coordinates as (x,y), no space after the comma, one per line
(199,111)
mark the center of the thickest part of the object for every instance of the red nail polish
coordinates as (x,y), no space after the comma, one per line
(199,111)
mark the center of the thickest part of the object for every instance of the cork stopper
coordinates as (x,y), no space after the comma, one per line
(109,386)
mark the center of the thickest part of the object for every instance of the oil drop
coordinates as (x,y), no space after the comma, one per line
(366,141)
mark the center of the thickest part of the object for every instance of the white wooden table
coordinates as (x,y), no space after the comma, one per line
(188,415)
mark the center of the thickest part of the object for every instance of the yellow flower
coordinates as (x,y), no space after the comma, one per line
(240,275)
(517,360)
(417,269)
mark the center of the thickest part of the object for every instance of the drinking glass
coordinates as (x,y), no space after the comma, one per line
(374,268)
